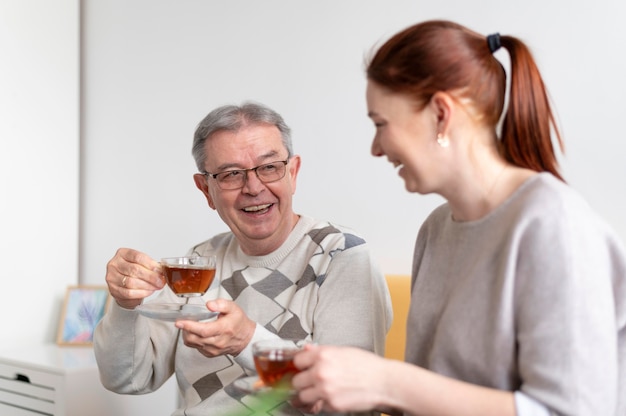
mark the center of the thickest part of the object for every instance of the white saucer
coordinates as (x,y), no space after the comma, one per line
(176,311)
(253,385)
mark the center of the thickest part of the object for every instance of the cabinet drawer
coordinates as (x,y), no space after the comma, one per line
(6,410)
(16,404)
(28,390)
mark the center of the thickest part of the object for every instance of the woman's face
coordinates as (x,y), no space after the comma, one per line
(407,136)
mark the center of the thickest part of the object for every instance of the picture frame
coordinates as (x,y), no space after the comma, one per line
(83,308)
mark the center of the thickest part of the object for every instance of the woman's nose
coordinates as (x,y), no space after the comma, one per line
(376,149)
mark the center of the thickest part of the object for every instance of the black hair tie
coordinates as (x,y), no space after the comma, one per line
(493,41)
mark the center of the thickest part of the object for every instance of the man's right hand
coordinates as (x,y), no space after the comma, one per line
(133,276)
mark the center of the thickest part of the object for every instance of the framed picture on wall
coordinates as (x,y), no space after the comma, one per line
(83,308)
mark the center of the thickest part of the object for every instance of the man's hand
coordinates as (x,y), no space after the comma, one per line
(133,276)
(230,333)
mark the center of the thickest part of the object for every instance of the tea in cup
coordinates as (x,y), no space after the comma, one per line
(273,360)
(190,275)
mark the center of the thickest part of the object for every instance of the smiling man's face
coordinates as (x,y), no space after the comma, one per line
(259,214)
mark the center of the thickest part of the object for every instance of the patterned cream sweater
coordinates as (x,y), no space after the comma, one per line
(321,285)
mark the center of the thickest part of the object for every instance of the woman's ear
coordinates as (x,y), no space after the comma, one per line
(443,107)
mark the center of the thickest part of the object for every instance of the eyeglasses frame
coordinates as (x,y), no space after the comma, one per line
(245,171)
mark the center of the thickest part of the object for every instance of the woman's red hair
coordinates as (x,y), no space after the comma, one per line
(444,56)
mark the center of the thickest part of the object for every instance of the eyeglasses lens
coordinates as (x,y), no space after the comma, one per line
(235,179)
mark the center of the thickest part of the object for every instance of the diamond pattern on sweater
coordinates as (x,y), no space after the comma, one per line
(270,297)
(235,284)
(208,385)
(273,285)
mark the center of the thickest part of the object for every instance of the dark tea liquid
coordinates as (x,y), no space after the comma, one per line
(275,367)
(188,279)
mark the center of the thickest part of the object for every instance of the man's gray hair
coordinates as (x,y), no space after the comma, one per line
(233,118)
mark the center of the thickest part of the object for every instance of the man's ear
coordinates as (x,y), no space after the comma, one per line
(203,186)
(294,168)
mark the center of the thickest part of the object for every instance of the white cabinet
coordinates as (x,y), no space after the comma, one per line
(64,381)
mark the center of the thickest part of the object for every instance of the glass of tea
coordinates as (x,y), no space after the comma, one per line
(273,360)
(190,275)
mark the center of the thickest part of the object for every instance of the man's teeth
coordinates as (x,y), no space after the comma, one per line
(257,208)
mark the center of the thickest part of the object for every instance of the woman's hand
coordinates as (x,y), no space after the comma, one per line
(338,379)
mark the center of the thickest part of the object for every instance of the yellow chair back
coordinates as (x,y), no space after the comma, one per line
(400,290)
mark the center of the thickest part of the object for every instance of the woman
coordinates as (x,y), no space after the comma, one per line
(518,288)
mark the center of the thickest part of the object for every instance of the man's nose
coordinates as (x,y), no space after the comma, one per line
(252,184)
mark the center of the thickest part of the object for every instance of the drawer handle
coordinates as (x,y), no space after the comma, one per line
(22,377)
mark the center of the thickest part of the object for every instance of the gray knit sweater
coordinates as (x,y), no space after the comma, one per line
(321,285)
(529,299)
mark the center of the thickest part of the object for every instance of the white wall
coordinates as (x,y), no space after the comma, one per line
(39,179)
(154,68)
(39,159)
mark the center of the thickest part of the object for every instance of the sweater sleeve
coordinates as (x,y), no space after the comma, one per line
(566,315)
(354,306)
(125,349)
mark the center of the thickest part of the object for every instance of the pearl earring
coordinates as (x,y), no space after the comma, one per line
(442,140)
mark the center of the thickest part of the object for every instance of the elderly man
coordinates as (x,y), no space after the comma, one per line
(283,275)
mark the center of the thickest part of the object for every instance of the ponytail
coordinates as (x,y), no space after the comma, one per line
(526,130)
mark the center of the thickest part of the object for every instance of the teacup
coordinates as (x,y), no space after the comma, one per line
(189,275)
(273,360)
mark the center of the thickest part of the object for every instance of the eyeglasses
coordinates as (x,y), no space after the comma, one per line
(236,178)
